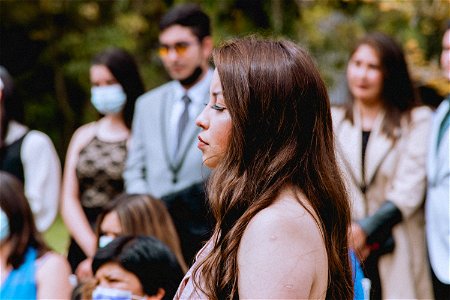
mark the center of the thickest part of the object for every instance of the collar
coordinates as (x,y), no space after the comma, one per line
(15,132)
(198,91)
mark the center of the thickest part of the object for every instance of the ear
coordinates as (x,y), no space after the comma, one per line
(207,46)
(158,296)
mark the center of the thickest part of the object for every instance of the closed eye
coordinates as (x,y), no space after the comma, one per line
(217,107)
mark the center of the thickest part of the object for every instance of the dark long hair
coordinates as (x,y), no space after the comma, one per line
(146,257)
(281,133)
(23,232)
(124,68)
(11,105)
(398,94)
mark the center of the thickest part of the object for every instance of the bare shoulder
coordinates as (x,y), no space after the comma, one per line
(284,249)
(286,220)
(53,262)
(83,135)
(52,277)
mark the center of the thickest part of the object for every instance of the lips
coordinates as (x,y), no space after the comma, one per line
(202,141)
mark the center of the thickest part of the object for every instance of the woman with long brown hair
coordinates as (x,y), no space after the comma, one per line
(276,192)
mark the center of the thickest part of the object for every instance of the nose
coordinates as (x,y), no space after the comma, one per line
(362,71)
(202,120)
(172,54)
(103,283)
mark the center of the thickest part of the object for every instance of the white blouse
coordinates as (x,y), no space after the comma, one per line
(42,172)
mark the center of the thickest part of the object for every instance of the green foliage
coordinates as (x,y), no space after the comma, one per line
(47,45)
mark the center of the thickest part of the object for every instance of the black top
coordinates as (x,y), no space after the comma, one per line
(10,160)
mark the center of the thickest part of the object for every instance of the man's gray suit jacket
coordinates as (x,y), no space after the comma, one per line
(150,168)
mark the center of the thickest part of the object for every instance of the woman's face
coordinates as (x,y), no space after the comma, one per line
(101,76)
(110,225)
(364,75)
(215,121)
(112,275)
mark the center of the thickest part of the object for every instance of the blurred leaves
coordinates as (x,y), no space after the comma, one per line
(47,45)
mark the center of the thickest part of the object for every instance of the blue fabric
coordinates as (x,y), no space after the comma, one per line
(358,275)
(21,282)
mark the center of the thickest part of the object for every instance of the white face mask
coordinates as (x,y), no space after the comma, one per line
(105,293)
(104,240)
(4,226)
(109,99)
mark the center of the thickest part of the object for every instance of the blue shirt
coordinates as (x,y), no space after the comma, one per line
(21,282)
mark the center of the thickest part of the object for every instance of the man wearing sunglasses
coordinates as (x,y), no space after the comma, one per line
(163,159)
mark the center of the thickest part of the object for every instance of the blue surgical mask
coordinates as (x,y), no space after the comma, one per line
(104,240)
(106,293)
(4,226)
(108,99)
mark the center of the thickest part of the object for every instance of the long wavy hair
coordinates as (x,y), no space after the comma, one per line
(398,95)
(281,134)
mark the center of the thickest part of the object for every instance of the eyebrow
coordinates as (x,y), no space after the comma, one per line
(215,94)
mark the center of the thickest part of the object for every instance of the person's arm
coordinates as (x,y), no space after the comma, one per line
(134,173)
(42,171)
(407,188)
(280,258)
(52,278)
(71,210)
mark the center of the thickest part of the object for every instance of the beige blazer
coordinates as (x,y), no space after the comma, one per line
(395,171)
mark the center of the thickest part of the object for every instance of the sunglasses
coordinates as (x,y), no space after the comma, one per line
(180,48)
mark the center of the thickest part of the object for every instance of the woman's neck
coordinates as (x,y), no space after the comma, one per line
(112,128)
(368,113)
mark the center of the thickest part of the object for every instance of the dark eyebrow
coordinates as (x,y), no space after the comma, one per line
(215,94)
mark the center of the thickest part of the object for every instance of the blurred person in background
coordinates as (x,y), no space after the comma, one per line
(28,269)
(29,155)
(136,215)
(134,267)
(163,158)
(381,145)
(97,151)
(437,205)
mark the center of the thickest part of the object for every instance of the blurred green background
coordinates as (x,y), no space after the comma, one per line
(47,46)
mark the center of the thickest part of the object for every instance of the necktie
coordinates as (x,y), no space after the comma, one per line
(182,122)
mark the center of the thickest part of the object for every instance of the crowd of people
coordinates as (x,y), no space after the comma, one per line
(237,179)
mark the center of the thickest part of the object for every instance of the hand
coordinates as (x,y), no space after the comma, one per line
(84,270)
(358,238)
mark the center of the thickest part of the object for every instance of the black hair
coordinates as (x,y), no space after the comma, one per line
(124,68)
(146,257)
(12,105)
(188,15)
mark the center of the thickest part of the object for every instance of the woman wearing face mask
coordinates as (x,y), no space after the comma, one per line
(382,136)
(135,268)
(138,215)
(135,215)
(28,269)
(96,154)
